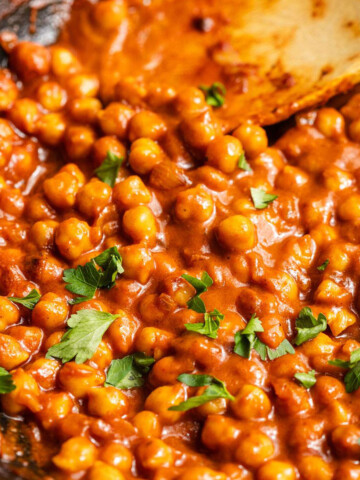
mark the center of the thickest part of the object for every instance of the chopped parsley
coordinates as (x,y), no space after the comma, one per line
(6,382)
(307,379)
(214,94)
(352,377)
(247,340)
(323,266)
(201,286)
(209,326)
(216,389)
(109,169)
(84,280)
(243,164)
(29,301)
(261,199)
(80,342)
(128,372)
(307,326)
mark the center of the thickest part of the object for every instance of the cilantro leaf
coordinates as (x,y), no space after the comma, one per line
(84,280)
(109,169)
(201,286)
(307,379)
(216,389)
(323,266)
(29,301)
(210,325)
(6,382)
(80,342)
(352,377)
(214,94)
(128,372)
(247,340)
(307,326)
(261,199)
(243,164)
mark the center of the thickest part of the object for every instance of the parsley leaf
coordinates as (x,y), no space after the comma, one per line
(260,198)
(210,325)
(247,340)
(322,267)
(307,326)
(352,378)
(84,280)
(307,379)
(29,301)
(216,389)
(201,286)
(243,164)
(6,382)
(80,342)
(214,94)
(128,372)
(109,169)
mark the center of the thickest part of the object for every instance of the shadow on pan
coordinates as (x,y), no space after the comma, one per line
(35,20)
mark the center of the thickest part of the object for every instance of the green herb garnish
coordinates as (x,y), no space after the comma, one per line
(209,326)
(214,94)
(307,379)
(29,301)
(261,199)
(128,372)
(322,267)
(196,303)
(109,169)
(6,382)
(80,342)
(216,389)
(243,164)
(307,326)
(352,377)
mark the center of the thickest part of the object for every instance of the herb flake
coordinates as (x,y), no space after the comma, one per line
(214,94)
(128,372)
(29,301)
(261,199)
(109,169)
(307,326)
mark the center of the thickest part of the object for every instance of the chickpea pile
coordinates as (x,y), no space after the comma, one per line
(181,202)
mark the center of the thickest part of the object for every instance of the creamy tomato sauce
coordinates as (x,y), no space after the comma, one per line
(222,256)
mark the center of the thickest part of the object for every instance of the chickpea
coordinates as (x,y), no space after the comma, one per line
(8,90)
(200,130)
(131,90)
(114,120)
(140,224)
(276,470)
(50,128)
(291,178)
(122,332)
(147,424)
(194,204)
(25,396)
(144,155)
(162,398)
(220,433)
(349,209)
(212,178)
(79,379)
(104,145)
(327,389)
(224,153)
(73,238)
(93,197)
(9,313)
(190,102)
(76,454)
(43,233)
(154,342)
(254,449)
(79,141)
(330,122)
(109,14)
(237,233)
(130,193)
(154,453)
(38,209)
(55,406)
(22,163)
(44,371)
(273,333)
(51,96)
(63,62)
(102,356)
(107,402)
(30,338)
(253,138)
(50,312)
(146,124)
(251,403)
(61,189)
(82,85)
(84,109)
(30,60)
(202,473)
(102,471)
(11,353)
(117,455)
(24,114)
(7,135)
(75,171)
(138,263)
(345,440)
(315,468)
(336,179)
